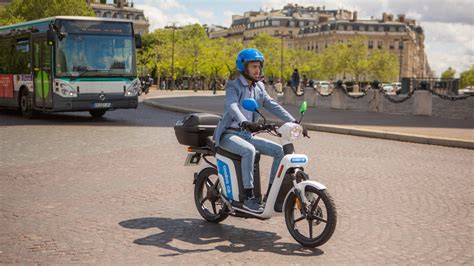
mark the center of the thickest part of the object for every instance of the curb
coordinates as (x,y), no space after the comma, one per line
(421,139)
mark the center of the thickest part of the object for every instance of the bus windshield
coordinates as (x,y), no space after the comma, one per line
(95,55)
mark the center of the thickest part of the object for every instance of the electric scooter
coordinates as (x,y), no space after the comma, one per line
(310,212)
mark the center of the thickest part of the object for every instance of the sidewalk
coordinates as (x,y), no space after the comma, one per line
(419,129)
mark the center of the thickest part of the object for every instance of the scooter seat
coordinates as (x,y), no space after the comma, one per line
(234,156)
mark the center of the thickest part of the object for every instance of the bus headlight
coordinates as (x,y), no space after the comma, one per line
(133,89)
(66,90)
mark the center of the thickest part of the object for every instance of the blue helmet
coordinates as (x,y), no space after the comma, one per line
(248,55)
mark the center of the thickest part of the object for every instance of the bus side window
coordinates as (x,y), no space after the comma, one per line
(22,56)
(5,56)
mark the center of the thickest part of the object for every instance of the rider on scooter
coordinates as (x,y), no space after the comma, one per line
(234,131)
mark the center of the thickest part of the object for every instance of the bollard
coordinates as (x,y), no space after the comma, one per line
(376,100)
(289,96)
(423,103)
(338,99)
(310,96)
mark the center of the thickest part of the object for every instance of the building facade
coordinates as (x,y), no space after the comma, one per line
(315,29)
(123,10)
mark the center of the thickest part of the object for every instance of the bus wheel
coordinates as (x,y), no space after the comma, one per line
(26,105)
(97,113)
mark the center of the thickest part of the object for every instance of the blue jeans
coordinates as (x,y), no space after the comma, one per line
(246,145)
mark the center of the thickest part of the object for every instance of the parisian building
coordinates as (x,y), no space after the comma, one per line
(316,28)
(121,9)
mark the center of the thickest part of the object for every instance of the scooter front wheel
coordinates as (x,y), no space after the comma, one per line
(316,226)
(207,191)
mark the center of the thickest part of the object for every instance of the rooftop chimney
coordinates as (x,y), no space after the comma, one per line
(355,16)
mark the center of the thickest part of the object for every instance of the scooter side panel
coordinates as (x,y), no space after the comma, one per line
(228,177)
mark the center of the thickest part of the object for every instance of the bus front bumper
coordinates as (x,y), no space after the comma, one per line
(86,102)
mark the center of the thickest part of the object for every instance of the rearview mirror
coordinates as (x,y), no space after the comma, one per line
(250,104)
(51,37)
(138,41)
(303,107)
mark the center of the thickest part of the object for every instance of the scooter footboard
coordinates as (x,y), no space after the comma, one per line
(286,187)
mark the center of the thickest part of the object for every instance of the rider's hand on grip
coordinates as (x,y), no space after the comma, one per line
(250,126)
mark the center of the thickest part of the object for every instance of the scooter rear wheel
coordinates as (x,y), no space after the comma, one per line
(207,191)
(317,226)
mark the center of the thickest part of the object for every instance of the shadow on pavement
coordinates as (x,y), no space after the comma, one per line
(199,232)
(144,116)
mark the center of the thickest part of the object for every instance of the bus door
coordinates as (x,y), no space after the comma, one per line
(42,73)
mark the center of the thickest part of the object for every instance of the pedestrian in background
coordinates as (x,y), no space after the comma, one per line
(295,79)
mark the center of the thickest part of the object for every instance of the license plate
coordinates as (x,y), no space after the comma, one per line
(192,159)
(101,105)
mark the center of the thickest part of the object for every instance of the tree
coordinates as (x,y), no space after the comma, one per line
(383,66)
(26,10)
(467,77)
(448,73)
(333,61)
(356,57)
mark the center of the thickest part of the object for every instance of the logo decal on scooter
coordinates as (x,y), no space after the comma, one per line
(223,169)
(298,160)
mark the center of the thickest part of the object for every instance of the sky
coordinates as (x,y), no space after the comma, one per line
(448,24)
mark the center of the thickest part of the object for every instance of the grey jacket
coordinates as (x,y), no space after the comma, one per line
(233,98)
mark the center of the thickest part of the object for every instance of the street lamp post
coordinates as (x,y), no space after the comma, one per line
(281,57)
(401,46)
(173,27)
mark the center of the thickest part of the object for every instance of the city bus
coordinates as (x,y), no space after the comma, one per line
(63,63)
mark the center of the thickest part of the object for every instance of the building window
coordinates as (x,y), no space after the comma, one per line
(349,28)
(361,28)
(301,23)
(292,23)
(340,27)
(392,45)
(380,29)
(392,29)
(275,23)
(371,28)
(380,44)
(371,44)
(401,29)
(98,13)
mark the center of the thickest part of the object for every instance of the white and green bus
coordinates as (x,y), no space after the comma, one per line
(62,64)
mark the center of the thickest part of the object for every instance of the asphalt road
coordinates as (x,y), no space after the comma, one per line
(114,190)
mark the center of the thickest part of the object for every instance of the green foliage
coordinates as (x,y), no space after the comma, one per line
(384,66)
(467,77)
(197,55)
(448,73)
(26,10)
(355,59)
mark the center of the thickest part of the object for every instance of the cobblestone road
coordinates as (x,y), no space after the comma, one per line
(114,191)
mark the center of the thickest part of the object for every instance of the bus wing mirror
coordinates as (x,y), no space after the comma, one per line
(138,41)
(51,37)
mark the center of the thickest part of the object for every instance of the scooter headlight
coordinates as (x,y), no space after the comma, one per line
(296,132)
